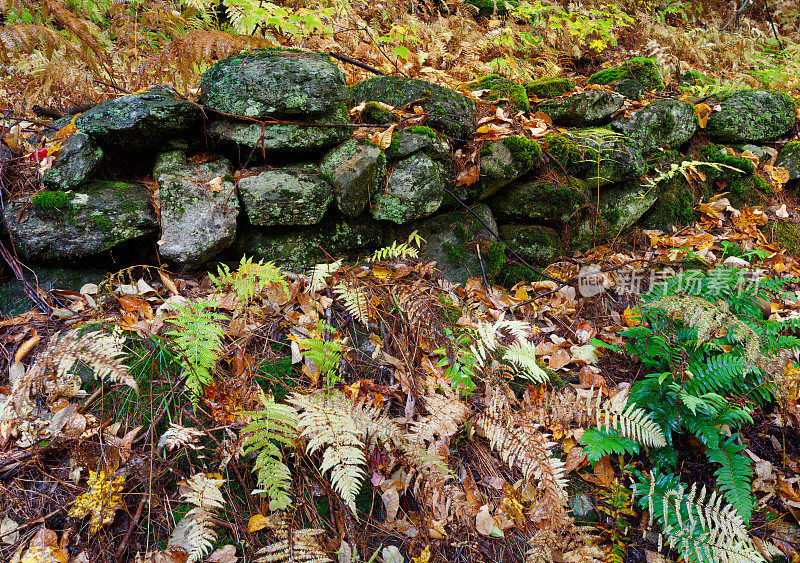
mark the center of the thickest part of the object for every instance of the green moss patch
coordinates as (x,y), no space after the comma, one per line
(525,151)
(500,87)
(549,87)
(642,69)
(750,190)
(718,154)
(50,201)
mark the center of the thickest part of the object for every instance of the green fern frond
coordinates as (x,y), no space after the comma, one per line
(698,525)
(355,301)
(271,427)
(250,279)
(734,476)
(600,442)
(198,339)
(408,249)
(522,356)
(318,274)
(326,355)
(709,318)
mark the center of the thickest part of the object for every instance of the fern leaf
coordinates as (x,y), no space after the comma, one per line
(631,422)
(355,301)
(293,546)
(334,425)
(734,476)
(275,424)
(599,442)
(526,447)
(522,355)
(195,533)
(198,338)
(318,274)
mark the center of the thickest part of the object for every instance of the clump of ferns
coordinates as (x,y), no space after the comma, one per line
(249,281)
(707,354)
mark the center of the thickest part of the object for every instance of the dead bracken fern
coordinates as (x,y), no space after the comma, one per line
(521,443)
(52,372)
(195,533)
(293,546)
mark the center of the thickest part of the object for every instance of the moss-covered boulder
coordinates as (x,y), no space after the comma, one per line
(199,208)
(300,137)
(493,7)
(66,226)
(295,195)
(619,208)
(629,88)
(502,88)
(274,82)
(77,161)
(297,247)
(669,123)
(585,109)
(378,113)
(606,158)
(750,190)
(414,189)
(675,205)
(551,200)
(417,138)
(789,158)
(562,150)
(549,87)
(451,238)
(447,110)
(723,166)
(751,115)
(537,245)
(643,70)
(504,161)
(147,121)
(356,169)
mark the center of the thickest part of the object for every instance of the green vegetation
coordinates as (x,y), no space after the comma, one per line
(52,201)
(719,154)
(502,88)
(526,152)
(549,87)
(642,69)
(703,344)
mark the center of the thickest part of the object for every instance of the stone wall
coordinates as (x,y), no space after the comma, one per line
(265,166)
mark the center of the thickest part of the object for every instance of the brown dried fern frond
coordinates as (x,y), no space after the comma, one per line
(198,47)
(51,373)
(79,28)
(424,317)
(521,443)
(27,37)
(446,418)
(292,546)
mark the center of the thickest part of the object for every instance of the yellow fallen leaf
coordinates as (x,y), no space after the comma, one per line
(257,522)
(702,111)
(632,317)
(424,556)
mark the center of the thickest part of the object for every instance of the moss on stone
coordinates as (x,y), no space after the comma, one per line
(422,130)
(494,258)
(562,149)
(718,154)
(643,69)
(501,87)
(750,190)
(455,254)
(549,87)
(787,235)
(50,201)
(375,112)
(525,151)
